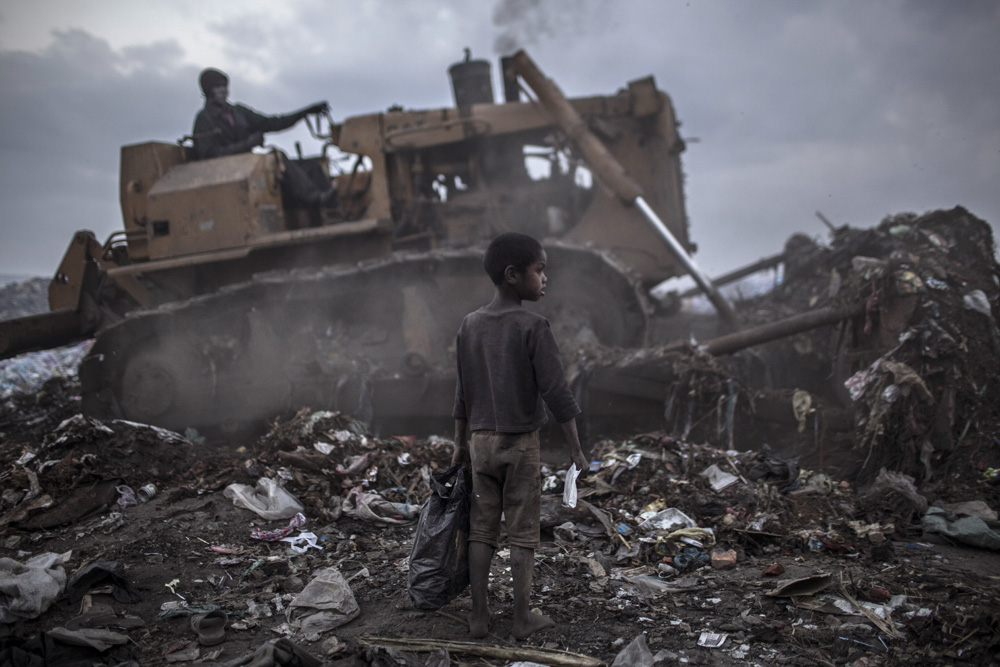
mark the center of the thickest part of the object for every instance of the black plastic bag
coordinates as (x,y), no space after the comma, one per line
(439,560)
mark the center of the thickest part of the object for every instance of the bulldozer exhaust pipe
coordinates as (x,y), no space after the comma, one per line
(612,174)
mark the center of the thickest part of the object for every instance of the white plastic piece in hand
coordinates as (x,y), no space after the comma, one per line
(569,491)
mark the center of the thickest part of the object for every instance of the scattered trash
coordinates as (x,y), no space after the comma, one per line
(569,491)
(712,639)
(28,372)
(802,586)
(976,508)
(891,484)
(210,627)
(773,570)
(670,519)
(99,640)
(297,521)
(371,506)
(28,589)
(771,468)
(817,484)
(843,487)
(636,654)
(326,602)
(723,559)
(302,542)
(268,500)
(103,573)
(978,301)
(718,478)
(146,493)
(127,498)
(691,558)
(971,530)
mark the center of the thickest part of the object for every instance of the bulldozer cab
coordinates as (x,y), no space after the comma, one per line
(448,177)
(174,205)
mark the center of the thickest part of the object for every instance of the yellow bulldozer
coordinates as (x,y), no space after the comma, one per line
(219,304)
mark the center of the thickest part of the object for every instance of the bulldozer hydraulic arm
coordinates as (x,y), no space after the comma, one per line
(612,175)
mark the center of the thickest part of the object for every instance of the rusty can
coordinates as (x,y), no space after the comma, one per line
(146,492)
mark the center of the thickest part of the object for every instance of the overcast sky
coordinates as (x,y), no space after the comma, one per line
(856,109)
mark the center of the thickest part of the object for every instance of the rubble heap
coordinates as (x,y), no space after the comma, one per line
(900,385)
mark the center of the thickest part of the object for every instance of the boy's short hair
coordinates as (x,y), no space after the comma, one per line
(510,249)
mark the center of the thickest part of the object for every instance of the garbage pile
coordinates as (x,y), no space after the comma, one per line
(917,363)
(900,385)
(28,372)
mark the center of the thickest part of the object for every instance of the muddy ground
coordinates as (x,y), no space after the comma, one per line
(189,549)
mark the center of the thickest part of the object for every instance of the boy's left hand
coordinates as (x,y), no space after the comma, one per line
(461,454)
(461,457)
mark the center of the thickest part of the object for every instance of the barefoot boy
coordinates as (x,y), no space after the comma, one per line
(508,364)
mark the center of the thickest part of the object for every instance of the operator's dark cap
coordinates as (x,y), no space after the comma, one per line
(210,78)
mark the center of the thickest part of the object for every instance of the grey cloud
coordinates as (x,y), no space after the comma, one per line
(69,110)
(859,110)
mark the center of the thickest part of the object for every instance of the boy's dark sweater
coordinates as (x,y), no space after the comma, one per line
(508,364)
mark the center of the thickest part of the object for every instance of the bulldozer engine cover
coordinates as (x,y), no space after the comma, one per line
(215,204)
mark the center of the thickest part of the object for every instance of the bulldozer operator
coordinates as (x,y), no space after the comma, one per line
(221,128)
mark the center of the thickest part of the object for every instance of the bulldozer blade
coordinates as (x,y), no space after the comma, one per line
(41,332)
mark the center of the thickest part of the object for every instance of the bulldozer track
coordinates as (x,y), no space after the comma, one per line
(372,338)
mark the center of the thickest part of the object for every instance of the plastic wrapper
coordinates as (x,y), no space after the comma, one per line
(326,602)
(636,654)
(274,535)
(267,500)
(439,560)
(372,507)
(668,519)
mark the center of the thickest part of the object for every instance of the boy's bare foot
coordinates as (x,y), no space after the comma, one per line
(479,624)
(532,624)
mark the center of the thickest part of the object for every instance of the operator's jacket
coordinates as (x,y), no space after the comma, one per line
(228,129)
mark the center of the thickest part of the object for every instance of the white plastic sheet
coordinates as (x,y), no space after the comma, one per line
(569,490)
(267,500)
